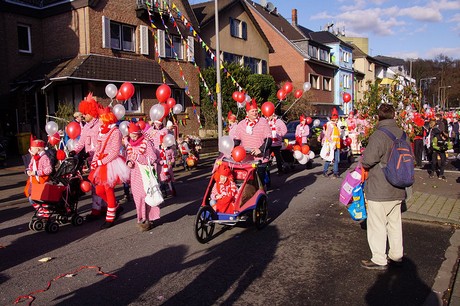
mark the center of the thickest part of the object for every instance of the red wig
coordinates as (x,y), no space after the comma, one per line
(106,116)
(89,106)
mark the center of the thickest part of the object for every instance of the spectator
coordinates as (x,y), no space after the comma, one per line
(278,130)
(332,139)
(441,143)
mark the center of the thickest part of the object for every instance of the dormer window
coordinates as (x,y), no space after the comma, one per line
(24,41)
(238,28)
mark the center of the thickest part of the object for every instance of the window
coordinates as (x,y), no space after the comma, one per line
(345,56)
(178,95)
(238,28)
(371,66)
(314,81)
(121,37)
(252,63)
(176,48)
(323,55)
(327,84)
(346,81)
(264,67)
(133,105)
(313,51)
(24,43)
(232,58)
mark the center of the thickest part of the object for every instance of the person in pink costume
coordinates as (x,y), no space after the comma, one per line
(302,131)
(278,130)
(88,141)
(155,133)
(232,123)
(38,172)
(108,168)
(352,133)
(140,151)
(166,163)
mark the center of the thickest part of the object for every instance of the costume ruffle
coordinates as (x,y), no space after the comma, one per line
(111,174)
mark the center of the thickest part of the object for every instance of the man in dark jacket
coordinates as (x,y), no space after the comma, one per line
(384,199)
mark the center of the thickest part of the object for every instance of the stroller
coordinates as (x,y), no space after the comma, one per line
(59,196)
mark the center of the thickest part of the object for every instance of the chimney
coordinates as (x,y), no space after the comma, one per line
(294,17)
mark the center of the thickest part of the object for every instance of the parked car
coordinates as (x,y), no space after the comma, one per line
(314,132)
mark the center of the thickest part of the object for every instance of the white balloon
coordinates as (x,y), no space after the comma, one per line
(177,109)
(297,154)
(157,112)
(306,86)
(316,123)
(51,128)
(111,91)
(226,145)
(70,144)
(247,98)
(123,127)
(241,105)
(119,111)
(305,158)
(168,140)
(311,154)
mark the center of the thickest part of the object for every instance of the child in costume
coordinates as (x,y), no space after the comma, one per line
(38,171)
(224,190)
(140,151)
(108,168)
(166,176)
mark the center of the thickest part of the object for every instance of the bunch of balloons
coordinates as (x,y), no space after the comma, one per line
(287,89)
(167,103)
(303,154)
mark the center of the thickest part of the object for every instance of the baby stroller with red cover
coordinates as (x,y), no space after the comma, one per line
(59,196)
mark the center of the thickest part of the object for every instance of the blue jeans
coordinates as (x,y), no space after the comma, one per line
(336,163)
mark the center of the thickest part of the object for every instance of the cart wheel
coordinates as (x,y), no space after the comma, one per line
(51,227)
(31,225)
(77,220)
(37,225)
(204,229)
(260,213)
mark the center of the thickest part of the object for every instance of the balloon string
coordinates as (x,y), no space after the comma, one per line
(290,107)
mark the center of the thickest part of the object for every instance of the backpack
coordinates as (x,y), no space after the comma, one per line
(399,170)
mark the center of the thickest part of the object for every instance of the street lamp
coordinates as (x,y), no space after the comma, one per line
(218,81)
(420,87)
(440,95)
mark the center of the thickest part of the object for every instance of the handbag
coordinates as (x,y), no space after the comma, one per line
(153,196)
(352,179)
(327,152)
(357,208)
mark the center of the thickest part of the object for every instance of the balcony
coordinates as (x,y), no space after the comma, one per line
(158,6)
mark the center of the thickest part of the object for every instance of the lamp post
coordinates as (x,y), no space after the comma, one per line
(440,95)
(218,81)
(420,87)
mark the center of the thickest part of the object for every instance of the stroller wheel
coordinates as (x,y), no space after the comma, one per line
(51,227)
(37,225)
(77,220)
(62,219)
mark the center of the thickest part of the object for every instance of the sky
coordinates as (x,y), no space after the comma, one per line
(407,29)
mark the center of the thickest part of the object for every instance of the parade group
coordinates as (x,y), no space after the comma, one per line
(115,158)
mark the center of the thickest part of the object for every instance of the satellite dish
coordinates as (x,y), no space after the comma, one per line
(270,7)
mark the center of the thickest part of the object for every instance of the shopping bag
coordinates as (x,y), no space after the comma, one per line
(352,179)
(153,196)
(357,208)
(327,152)
(47,192)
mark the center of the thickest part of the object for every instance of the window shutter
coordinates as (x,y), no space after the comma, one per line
(144,41)
(191,49)
(161,42)
(105,32)
(244,30)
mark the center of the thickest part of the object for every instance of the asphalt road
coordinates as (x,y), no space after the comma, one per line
(308,254)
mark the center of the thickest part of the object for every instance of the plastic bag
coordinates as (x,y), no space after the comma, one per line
(357,208)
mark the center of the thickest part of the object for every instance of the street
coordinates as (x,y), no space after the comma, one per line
(309,254)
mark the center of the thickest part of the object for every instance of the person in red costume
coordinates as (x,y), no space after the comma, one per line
(38,171)
(88,141)
(255,136)
(140,151)
(232,123)
(224,190)
(278,130)
(108,168)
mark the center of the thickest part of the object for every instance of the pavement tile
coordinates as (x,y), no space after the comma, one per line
(447,209)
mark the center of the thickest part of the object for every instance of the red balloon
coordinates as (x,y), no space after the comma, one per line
(281,94)
(167,109)
(60,154)
(297,148)
(235,95)
(298,93)
(241,97)
(238,153)
(119,96)
(305,149)
(268,109)
(288,87)
(348,141)
(163,93)
(346,97)
(309,120)
(127,90)
(73,129)
(141,124)
(85,186)
(171,102)
(54,139)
